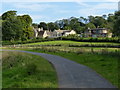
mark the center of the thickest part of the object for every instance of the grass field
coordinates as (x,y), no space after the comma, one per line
(22,70)
(105,60)
(104,64)
(64,43)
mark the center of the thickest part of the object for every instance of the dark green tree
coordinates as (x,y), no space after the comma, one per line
(90,25)
(52,26)
(12,29)
(43,25)
(16,27)
(27,27)
(35,25)
(116,29)
(8,15)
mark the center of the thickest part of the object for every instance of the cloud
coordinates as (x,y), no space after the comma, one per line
(42,18)
(99,9)
(60,1)
(38,0)
(32,6)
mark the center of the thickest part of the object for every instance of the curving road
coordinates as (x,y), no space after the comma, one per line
(73,75)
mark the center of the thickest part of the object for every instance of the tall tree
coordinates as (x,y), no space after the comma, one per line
(43,25)
(35,25)
(90,25)
(8,15)
(27,26)
(52,26)
(16,27)
(116,29)
(12,29)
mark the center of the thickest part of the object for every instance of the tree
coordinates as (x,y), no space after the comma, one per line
(67,28)
(104,16)
(52,26)
(11,29)
(35,25)
(116,29)
(27,27)
(8,15)
(43,25)
(0,28)
(90,25)
(98,21)
(16,27)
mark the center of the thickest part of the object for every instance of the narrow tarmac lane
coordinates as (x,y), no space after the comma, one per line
(73,75)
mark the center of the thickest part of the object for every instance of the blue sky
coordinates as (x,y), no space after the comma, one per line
(52,11)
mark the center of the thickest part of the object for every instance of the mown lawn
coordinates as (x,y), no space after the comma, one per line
(22,70)
(104,64)
(71,42)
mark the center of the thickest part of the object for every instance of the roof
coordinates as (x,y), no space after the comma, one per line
(98,29)
(63,31)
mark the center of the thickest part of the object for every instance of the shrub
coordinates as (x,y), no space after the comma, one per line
(90,39)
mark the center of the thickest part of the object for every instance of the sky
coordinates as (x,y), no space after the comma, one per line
(52,10)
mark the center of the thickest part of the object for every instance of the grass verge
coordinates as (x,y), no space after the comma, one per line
(22,70)
(67,42)
(106,64)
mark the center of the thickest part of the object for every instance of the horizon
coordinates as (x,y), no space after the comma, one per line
(53,11)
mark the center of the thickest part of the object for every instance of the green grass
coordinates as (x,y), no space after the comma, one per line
(104,64)
(0,70)
(71,42)
(22,70)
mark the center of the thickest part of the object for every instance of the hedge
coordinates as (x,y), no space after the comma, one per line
(72,38)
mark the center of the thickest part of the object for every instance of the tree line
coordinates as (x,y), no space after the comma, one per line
(15,27)
(110,21)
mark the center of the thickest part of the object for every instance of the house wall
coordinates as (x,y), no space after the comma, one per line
(104,31)
(72,32)
(45,34)
(97,33)
(35,33)
(69,33)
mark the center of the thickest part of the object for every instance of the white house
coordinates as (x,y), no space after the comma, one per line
(64,32)
(98,32)
(39,32)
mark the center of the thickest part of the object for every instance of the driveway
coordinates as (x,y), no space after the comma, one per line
(73,75)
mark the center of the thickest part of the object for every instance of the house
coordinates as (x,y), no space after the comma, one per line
(64,32)
(39,32)
(98,32)
(44,34)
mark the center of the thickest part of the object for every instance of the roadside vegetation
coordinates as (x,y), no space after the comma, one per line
(69,45)
(72,38)
(68,42)
(103,60)
(22,70)
(104,63)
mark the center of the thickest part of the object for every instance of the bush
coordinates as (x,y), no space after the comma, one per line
(71,37)
(90,39)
